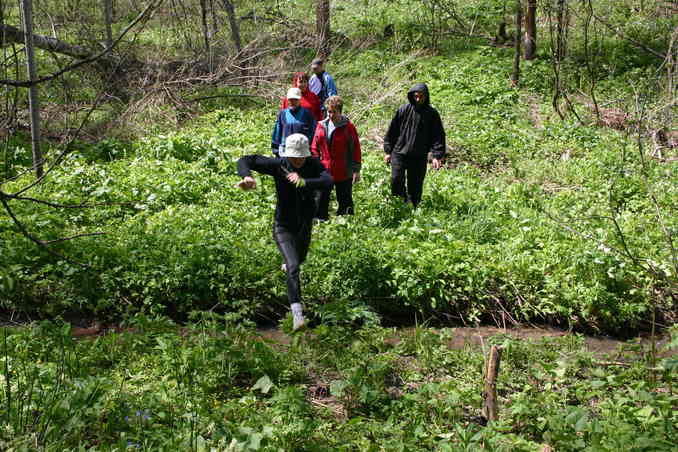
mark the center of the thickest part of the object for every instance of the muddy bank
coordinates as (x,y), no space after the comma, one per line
(480,336)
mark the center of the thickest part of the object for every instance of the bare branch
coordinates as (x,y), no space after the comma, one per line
(568,228)
(198,99)
(64,239)
(95,57)
(68,206)
(10,35)
(42,244)
(622,35)
(62,154)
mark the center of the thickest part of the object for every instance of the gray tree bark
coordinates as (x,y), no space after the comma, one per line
(531,30)
(515,77)
(323,28)
(33,101)
(205,26)
(10,35)
(108,21)
(233,22)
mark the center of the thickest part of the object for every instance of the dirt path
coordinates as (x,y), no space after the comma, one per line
(476,337)
(461,337)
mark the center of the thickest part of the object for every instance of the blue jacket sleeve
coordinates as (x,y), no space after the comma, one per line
(276,137)
(331,86)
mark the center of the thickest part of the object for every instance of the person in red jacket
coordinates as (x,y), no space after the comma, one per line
(309,100)
(337,145)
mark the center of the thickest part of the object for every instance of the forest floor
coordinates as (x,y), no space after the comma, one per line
(150,383)
(478,337)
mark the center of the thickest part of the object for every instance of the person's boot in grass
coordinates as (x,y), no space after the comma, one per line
(298,321)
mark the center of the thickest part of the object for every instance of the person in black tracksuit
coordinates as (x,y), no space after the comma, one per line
(415,130)
(297,176)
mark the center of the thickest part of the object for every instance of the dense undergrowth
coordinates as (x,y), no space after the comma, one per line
(533,219)
(215,385)
(493,238)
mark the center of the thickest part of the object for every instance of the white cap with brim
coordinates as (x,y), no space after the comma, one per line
(296,145)
(294,93)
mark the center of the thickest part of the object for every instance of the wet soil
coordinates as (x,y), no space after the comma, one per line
(462,337)
(478,336)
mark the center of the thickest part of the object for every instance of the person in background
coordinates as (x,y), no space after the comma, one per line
(337,145)
(309,100)
(321,83)
(415,130)
(293,119)
(297,177)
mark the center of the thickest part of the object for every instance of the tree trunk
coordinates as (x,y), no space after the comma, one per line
(515,77)
(531,30)
(323,28)
(10,35)
(108,20)
(215,22)
(33,101)
(490,408)
(205,26)
(501,37)
(233,22)
(561,32)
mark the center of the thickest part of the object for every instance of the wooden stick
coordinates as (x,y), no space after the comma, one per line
(489,411)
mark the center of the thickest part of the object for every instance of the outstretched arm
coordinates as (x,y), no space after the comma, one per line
(258,163)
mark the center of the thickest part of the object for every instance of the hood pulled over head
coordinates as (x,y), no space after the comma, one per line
(419,87)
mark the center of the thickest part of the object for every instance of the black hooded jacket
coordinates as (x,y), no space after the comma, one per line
(416,129)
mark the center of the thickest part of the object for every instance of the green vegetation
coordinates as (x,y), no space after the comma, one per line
(535,218)
(210,385)
(488,240)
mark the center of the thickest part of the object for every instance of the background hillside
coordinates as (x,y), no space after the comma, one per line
(556,206)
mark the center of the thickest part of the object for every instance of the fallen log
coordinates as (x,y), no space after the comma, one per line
(13,35)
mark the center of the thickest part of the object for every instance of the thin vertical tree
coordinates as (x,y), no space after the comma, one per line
(323,28)
(233,22)
(205,27)
(531,30)
(515,76)
(108,21)
(215,21)
(33,101)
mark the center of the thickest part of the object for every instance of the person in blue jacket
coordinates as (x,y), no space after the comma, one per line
(321,83)
(291,120)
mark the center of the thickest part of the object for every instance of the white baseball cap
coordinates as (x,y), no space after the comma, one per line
(294,93)
(296,145)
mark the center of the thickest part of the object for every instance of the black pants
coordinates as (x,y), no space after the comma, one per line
(293,246)
(414,170)
(344,199)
